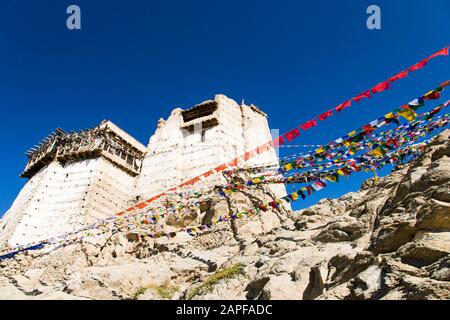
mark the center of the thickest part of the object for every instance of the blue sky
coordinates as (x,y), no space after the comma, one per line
(134,61)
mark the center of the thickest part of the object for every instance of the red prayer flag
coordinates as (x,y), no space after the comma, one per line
(141,205)
(419,65)
(233,162)
(444,84)
(365,94)
(325,115)
(207,174)
(432,96)
(381,87)
(442,52)
(192,181)
(343,105)
(368,128)
(263,148)
(277,141)
(399,76)
(309,124)
(291,135)
(220,168)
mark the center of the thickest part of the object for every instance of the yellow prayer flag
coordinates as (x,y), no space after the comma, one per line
(378,152)
(320,150)
(408,114)
(389,115)
(256,180)
(294,196)
(288,167)
(340,172)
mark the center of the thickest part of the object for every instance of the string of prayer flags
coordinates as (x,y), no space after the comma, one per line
(279,141)
(317,185)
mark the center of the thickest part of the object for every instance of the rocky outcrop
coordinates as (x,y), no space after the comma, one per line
(389,240)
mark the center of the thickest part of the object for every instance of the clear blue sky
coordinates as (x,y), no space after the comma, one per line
(134,61)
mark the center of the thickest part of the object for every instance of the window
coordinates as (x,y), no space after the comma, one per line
(203,135)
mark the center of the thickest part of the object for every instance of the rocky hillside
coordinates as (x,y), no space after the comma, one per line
(390,240)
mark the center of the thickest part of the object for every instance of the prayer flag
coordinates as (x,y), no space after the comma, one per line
(301,194)
(320,150)
(419,65)
(207,174)
(365,94)
(444,84)
(442,52)
(277,141)
(291,135)
(344,105)
(379,152)
(233,162)
(293,196)
(381,87)
(408,114)
(263,148)
(316,187)
(309,124)
(398,76)
(416,102)
(368,129)
(220,168)
(325,115)
(432,95)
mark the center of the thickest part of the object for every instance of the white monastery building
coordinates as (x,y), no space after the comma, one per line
(76,179)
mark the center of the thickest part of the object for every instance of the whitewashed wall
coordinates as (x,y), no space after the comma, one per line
(174,157)
(60,199)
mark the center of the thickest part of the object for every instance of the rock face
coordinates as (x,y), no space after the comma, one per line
(390,240)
